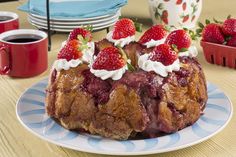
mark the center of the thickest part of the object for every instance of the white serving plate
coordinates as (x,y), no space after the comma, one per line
(30,111)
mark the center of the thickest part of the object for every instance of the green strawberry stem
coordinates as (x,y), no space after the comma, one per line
(130,67)
(83,47)
(200,25)
(183,50)
(193,35)
(217,21)
(88,27)
(84,42)
(124,56)
(174,47)
(207,21)
(138,27)
(229,16)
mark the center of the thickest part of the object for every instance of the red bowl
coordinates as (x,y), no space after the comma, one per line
(219,54)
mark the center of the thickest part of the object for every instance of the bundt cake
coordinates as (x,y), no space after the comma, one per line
(121,89)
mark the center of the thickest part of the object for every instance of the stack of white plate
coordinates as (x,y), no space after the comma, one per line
(67,25)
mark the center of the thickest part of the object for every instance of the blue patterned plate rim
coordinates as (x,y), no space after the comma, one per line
(130,147)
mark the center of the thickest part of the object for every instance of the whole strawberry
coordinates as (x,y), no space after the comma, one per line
(109,59)
(123,28)
(86,34)
(180,38)
(229,27)
(156,32)
(213,33)
(70,51)
(232,41)
(163,53)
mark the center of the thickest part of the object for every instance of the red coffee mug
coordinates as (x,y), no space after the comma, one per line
(23,53)
(8,21)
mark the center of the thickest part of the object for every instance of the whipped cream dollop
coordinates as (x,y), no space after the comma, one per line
(113,74)
(159,68)
(63,64)
(153,43)
(121,42)
(192,52)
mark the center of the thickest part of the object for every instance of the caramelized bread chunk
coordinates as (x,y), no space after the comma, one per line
(69,101)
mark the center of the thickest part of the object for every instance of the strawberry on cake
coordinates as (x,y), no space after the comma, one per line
(127,89)
(154,36)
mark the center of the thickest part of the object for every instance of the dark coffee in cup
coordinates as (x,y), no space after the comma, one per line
(5,18)
(23,38)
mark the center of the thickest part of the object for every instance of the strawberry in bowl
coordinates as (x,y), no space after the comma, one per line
(219,42)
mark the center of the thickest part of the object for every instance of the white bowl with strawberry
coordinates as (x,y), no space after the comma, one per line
(219,42)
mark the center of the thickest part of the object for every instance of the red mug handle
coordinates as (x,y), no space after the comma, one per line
(4,60)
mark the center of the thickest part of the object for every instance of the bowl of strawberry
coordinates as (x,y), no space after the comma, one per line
(219,42)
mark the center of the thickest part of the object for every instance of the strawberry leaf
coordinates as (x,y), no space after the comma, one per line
(122,52)
(80,38)
(229,16)
(200,25)
(83,47)
(208,21)
(88,27)
(138,27)
(169,28)
(216,21)
(174,47)
(199,30)
(183,50)
(130,67)
(227,38)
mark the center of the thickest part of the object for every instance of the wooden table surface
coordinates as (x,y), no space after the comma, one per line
(15,141)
